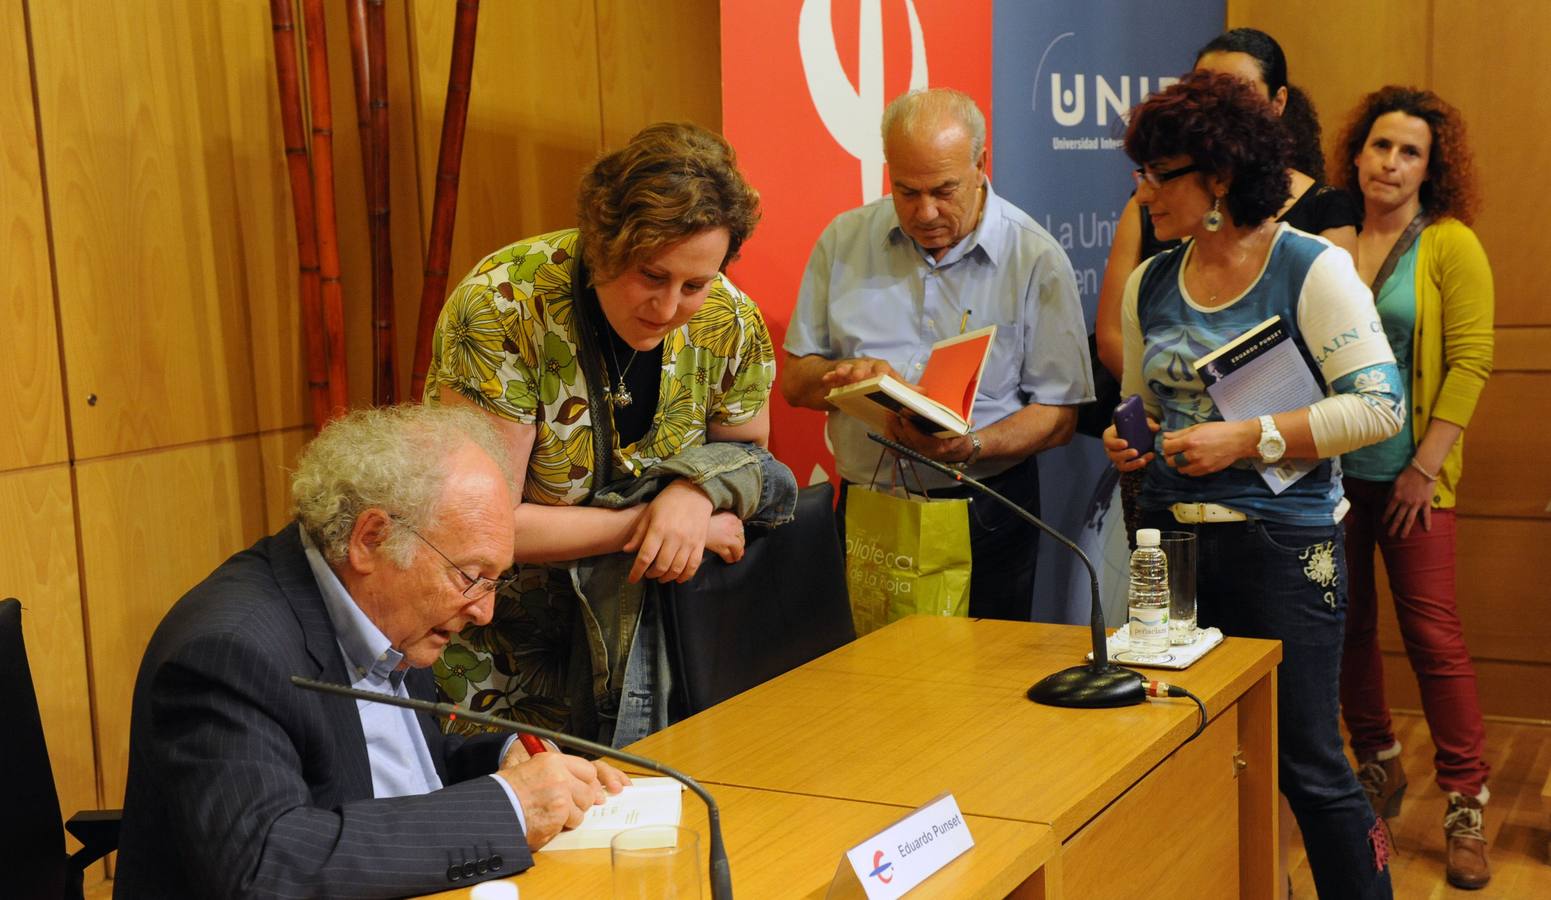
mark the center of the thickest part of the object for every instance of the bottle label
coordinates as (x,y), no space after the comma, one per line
(1149,629)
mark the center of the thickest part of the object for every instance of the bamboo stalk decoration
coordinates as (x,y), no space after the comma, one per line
(384,382)
(323,193)
(299,168)
(445,206)
(355,15)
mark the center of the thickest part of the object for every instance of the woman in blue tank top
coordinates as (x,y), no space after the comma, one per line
(1212,172)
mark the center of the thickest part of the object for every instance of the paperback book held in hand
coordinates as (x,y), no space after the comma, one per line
(1262,372)
(940,405)
(645,801)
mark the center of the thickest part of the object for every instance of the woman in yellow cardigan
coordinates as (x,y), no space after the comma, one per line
(1406,154)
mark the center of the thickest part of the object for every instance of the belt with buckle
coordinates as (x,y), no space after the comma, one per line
(1195,513)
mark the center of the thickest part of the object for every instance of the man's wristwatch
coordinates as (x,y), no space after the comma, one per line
(974,452)
(1272,446)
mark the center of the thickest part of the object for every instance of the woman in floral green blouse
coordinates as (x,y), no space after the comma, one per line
(601,351)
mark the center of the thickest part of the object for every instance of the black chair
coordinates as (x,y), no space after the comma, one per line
(734,626)
(33,862)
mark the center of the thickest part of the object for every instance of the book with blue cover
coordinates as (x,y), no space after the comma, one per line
(1263,372)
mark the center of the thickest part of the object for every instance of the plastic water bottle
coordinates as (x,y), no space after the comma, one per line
(1149,596)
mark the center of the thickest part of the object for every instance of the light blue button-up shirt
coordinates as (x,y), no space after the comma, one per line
(395,746)
(870,290)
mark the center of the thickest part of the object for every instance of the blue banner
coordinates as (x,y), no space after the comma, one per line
(1064,74)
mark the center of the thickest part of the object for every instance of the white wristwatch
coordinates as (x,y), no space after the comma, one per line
(1271,446)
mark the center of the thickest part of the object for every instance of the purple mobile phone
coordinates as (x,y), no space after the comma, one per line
(1131,424)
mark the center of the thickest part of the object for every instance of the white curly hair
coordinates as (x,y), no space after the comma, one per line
(391,458)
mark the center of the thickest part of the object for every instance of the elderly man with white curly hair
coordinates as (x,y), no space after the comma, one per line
(241,785)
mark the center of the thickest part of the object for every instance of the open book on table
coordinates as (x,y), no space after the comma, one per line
(645,801)
(941,404)
(1263,372)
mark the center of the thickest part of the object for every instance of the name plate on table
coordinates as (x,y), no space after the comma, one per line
(904,854)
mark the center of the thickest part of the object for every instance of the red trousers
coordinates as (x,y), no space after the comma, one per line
(1421,578)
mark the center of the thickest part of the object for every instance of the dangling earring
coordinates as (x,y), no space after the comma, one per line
(1213,218)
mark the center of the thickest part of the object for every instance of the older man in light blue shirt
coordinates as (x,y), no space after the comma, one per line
(941,255)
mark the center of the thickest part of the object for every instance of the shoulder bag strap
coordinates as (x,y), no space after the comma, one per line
(1402,244)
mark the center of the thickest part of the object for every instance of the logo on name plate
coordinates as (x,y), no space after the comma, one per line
(880,869)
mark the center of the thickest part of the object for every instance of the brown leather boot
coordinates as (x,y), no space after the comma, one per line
(1467,864)
(1384,781)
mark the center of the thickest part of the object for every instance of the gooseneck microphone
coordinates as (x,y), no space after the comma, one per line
(1094,685)
(721,875)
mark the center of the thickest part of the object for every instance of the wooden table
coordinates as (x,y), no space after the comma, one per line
(932,705)
(788,845)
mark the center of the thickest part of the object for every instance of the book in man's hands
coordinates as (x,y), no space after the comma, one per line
(941,404)
(645,801)
(1262,372)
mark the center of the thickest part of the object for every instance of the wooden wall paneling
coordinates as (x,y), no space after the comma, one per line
(1339,52)
(1505,473)
(1501,596)
(152,526)
(32,406)
(404,202)
(1487,60)
(1525,349)
(134,104)
(39,568)
(277,451)
(533,123)
(660,61)
(255,240)
(1507,688)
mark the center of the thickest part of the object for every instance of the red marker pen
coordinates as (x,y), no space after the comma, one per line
(533,745)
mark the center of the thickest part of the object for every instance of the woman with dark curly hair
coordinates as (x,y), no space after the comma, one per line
(1310,205)
(1212,171)
(1405,153)
(613,355)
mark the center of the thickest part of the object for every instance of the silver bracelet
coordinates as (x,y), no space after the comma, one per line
(1425,474)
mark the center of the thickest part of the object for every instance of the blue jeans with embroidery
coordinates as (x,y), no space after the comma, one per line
(1261,579)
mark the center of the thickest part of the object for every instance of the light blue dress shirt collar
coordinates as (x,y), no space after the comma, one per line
(396,749)
(368,652)
(990,241)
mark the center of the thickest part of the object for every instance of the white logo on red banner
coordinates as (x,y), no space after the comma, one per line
(851,114)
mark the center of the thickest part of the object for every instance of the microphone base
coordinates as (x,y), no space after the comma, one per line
(1090,687)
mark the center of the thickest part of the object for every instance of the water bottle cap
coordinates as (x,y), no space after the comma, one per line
(1148,537)
(494,890)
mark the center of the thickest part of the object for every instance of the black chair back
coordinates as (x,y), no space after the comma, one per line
(32,838)
(734,626)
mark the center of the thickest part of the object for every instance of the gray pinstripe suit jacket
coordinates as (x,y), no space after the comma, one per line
(242,785)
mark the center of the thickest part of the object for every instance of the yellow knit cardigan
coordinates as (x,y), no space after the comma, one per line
(1452,343)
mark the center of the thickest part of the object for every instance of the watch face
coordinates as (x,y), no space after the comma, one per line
(1272,447)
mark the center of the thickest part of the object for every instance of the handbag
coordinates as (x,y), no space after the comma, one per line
(736,625)
(905,555)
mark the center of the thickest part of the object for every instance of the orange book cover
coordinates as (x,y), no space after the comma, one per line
(953,370)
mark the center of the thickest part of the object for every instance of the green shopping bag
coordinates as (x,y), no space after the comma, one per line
(905,555)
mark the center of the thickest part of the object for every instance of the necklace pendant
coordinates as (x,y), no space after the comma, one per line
(622,397)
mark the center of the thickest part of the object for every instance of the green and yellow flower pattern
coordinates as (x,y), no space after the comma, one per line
(506,341)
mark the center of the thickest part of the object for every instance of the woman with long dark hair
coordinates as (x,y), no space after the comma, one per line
(1310,204)
(1405,153)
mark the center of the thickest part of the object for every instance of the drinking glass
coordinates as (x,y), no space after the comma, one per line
(1180,548)
(656,862)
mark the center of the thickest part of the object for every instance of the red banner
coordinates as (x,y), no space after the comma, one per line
(804,83)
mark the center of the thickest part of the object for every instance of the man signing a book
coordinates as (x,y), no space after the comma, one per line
(941,255)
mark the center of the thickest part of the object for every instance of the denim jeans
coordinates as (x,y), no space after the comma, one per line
(1261,579)
(1421,577)
(1003,547)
